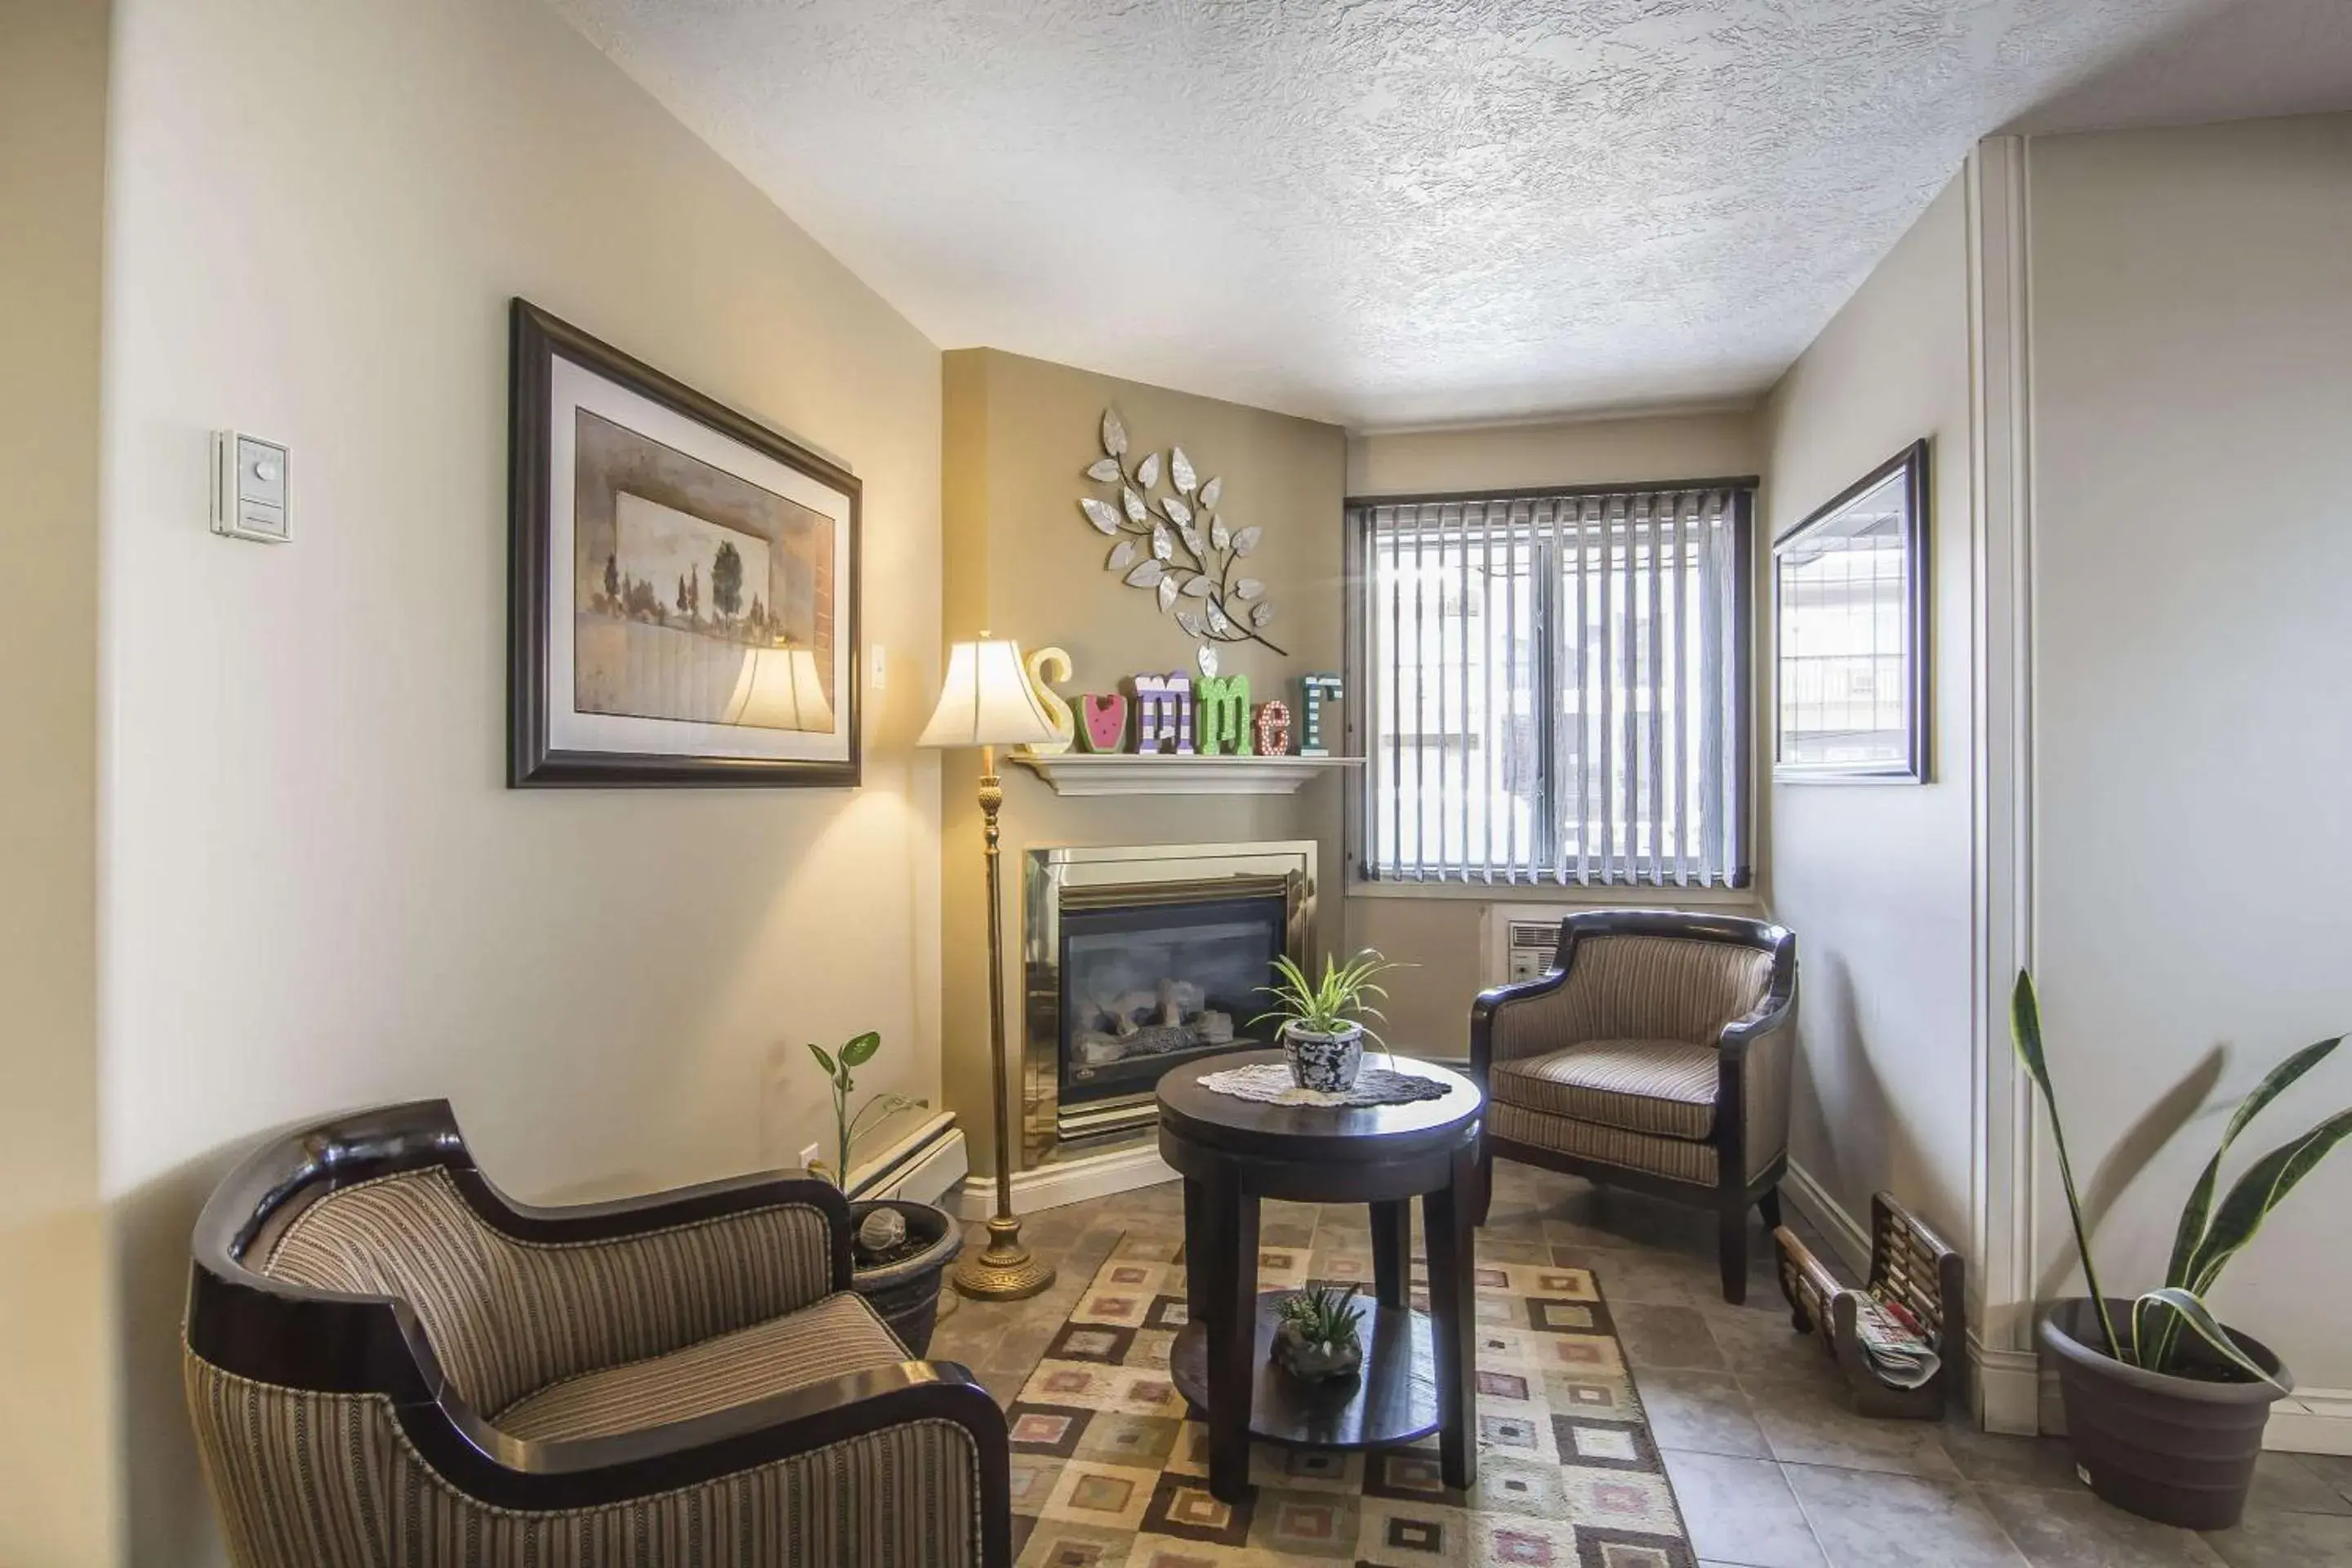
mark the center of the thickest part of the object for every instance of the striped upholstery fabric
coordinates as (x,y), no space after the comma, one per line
(1765,1088)
(837,1336)
(321,1480)
(1638,988)
(1678,1159)
(507,1317)
(1662,1087)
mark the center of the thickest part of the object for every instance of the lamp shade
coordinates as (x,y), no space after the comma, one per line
(986,699)
(779,688)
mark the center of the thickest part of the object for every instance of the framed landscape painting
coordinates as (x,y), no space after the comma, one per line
(683,580)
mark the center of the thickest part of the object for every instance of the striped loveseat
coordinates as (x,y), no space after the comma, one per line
(389,1363)
(1657,1056)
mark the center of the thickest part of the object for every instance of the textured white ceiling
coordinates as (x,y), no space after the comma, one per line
(1380,212)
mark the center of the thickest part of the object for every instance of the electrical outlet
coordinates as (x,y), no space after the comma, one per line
(808,1157)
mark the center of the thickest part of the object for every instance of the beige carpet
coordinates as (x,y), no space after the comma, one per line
(1108,1472)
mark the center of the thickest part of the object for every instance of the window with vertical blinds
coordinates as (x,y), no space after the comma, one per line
(1555,688)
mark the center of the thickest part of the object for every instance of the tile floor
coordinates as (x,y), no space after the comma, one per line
(1773,1468)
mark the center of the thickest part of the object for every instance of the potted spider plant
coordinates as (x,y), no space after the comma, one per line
(1319,1334)
(898,1248)
(2165,1405)
(1322,1021)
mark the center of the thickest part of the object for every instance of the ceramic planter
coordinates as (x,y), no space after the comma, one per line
(1302,1358)
(2178,1450)
(1328,1063)
(905,1292)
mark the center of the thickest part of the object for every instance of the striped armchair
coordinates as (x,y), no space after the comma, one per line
(387,1361)
(1656,1056)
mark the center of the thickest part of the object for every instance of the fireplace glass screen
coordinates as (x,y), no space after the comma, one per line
(1146,985)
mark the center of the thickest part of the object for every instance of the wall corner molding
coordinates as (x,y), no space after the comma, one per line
(2004,1176)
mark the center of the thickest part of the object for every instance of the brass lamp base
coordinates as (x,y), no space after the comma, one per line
(1004,1270)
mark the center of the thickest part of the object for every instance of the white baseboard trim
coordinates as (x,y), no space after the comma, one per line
(1065,1182)
(2007,1389)
(2312,1421)
(1840,1229)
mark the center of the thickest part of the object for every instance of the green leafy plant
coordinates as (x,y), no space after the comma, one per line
(1338,1002)
(856,1053)
(1323,1316)
(2209,1235)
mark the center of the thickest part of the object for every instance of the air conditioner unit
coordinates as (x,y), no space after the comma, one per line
(1522,942)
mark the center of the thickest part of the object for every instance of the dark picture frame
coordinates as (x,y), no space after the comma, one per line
(759,686)
(1832,593)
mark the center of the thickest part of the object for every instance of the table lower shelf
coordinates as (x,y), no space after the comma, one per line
(1394,1400)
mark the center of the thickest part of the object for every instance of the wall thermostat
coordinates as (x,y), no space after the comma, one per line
(249,489)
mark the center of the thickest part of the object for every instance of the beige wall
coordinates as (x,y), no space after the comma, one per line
(1875,880)
(319,893)
(1022,563)
(1719,444)
(56,1408)
(2192,398)
(1443,935)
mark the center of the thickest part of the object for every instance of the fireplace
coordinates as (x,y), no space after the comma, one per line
(1137,958)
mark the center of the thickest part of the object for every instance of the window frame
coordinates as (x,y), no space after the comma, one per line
(1356,633)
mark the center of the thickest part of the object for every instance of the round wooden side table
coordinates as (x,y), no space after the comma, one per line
(1418,1375)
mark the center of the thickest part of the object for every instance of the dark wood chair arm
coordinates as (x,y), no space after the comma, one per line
(1774,1013)
(1493,1001)
(511,1472)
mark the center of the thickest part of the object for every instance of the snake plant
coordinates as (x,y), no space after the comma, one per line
(2209,1235)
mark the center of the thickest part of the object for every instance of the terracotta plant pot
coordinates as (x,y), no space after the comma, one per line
(2178,1450)
(1325,1062)
(904,1291)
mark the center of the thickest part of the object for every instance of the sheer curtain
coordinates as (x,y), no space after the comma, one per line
(1555,688)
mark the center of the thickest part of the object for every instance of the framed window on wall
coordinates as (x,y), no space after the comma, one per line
(1555,685)
(1850,633)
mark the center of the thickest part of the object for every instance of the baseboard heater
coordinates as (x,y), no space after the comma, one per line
(922,1165)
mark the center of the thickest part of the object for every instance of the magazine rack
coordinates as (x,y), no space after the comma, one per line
(1911,1269)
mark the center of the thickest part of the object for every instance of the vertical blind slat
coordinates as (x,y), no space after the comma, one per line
(1680,566)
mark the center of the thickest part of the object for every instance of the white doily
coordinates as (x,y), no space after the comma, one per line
(1270,1083)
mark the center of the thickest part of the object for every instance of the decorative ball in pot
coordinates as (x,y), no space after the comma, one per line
(1323,1029)
(898,1248)
(2166,1404)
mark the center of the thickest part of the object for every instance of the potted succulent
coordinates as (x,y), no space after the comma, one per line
(898,1248)
(1322,1020)
(1318,1337)
(2165,1407)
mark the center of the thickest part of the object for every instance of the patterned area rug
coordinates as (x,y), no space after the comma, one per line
(1108,1472)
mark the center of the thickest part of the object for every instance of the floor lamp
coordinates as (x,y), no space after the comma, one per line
(987,702)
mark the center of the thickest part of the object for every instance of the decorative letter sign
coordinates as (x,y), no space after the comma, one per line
(1059,712)
(1106,722)
(1315,691)
(1274,729)
(1163,711)
(1223,705)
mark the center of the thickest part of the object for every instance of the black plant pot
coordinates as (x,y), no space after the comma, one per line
(2178,1450)
(905,1292)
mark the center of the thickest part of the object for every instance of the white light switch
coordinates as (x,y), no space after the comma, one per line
(249,489)
(879,665)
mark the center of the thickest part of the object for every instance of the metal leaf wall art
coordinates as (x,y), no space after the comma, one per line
(1176,546)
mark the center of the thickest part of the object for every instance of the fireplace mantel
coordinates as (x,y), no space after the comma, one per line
(1127,773)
